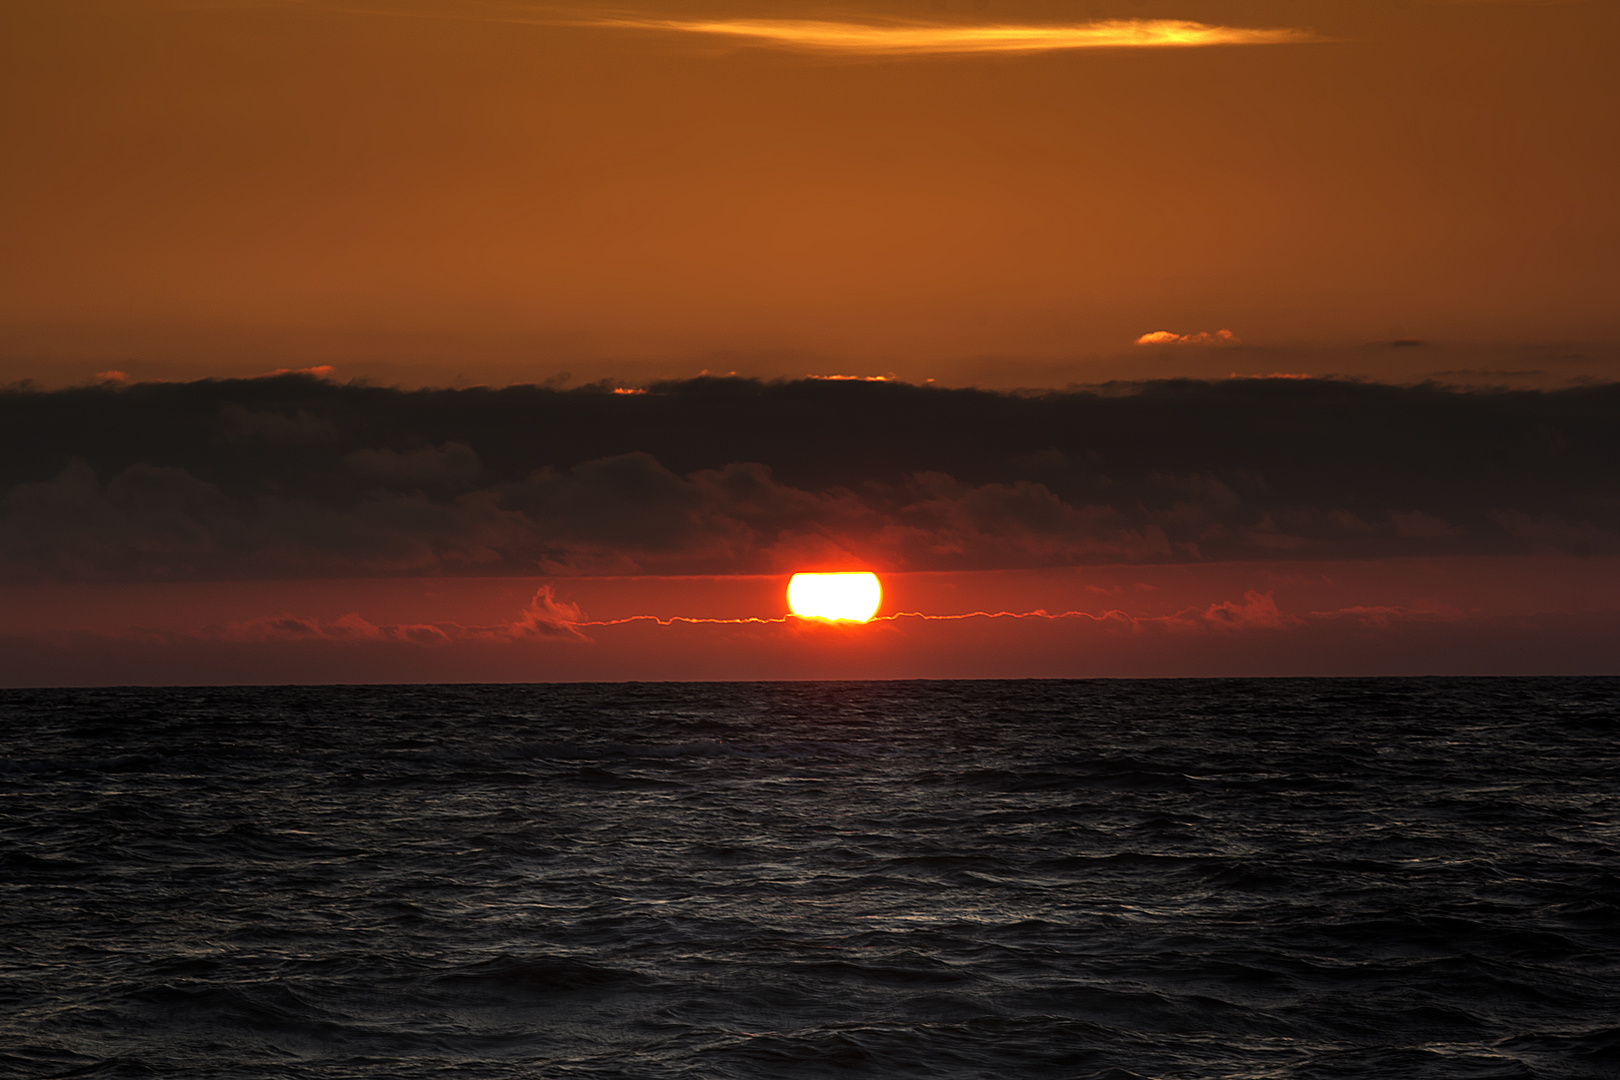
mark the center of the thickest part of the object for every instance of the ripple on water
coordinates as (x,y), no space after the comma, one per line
(1201,878)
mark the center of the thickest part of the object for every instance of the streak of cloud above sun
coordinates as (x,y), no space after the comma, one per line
(924,39)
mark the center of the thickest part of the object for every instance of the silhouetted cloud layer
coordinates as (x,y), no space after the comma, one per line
(297,477)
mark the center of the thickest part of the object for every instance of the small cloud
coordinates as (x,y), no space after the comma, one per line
(353,627)
(1258,611)
(1203,337)
(546,616)
(1383,616)
(319,371)
(956,39)
(272,628)
(114,376)
(417,634)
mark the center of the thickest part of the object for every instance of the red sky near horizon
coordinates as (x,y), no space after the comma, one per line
(1399,617)
(1019,195)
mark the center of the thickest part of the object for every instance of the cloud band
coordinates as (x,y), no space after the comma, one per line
(934,39)
(297,477)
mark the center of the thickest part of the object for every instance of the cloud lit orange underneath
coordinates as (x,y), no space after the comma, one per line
(1203,337)
(852,597)
(917,39)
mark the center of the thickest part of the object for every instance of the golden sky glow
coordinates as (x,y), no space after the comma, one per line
(980,192)
(902,39)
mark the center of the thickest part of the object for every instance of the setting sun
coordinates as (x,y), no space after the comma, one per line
(851,597)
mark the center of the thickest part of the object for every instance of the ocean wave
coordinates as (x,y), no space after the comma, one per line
(1287,879)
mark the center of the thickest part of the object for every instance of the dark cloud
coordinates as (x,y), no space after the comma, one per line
(295,476)
(453,466)
(274,427)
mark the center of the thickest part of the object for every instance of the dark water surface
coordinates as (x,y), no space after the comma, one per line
(1174,879)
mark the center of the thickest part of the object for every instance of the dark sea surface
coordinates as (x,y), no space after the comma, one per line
(1175,879)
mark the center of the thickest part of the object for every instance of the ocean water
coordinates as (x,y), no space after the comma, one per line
(1171,879)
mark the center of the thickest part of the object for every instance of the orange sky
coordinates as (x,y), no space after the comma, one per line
(427,191)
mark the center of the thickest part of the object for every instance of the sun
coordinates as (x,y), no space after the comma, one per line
(835,597)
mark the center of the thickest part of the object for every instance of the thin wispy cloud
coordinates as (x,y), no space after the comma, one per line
(923,39)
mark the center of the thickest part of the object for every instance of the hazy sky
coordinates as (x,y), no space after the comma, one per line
(1001,192)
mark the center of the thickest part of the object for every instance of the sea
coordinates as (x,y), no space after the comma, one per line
(1281,878)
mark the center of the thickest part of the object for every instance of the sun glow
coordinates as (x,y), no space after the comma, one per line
(835,597)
